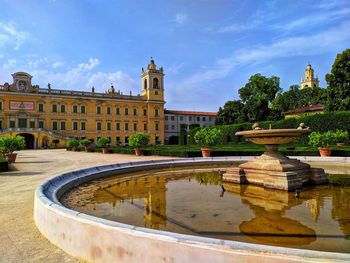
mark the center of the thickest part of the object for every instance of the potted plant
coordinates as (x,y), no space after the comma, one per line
(139,140)
(103,143)
(74,144)
(324,141)
(206,138)
(10,144)
(341,137)
(85,143)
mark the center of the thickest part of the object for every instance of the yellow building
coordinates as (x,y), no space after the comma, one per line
(309,81)
(46,116)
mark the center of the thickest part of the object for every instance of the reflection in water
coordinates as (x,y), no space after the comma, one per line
(199,203)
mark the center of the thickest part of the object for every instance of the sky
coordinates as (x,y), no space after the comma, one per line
(208,48)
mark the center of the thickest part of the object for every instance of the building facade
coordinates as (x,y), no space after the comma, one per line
(174,119)
(47,117)
(309,80)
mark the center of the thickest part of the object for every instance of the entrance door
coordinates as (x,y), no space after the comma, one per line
(29,139)
(22,123)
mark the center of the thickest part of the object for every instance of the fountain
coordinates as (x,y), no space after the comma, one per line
(272,169)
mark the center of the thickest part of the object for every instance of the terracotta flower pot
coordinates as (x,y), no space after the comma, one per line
(138,151)
(325,152)
(105,150)
(206,152)
(11,157)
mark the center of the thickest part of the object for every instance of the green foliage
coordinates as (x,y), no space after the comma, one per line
(73,143)
(84,142)
(338,80)
(208,137)
(102,142)
(232,112)
(341,136)
(183,134)
(139,139)
(10,144)
(322,139)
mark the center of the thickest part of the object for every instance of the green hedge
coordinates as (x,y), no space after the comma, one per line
(319,122)
(3,164)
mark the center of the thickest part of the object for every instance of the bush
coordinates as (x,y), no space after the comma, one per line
(102,142)
(11,143)
(139,139)
(3,164)
(341,136)
(323,140)
(73,143)
(208,137)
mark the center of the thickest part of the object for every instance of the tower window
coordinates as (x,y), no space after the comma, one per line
(156,112)
(155,83)
(145,83)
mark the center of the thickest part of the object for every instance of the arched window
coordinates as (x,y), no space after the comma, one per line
(155,83)
(145,83)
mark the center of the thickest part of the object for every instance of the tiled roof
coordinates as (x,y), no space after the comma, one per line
(310,108)
(182,112)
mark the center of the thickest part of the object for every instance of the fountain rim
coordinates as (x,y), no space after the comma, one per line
(47,197)
(273,133)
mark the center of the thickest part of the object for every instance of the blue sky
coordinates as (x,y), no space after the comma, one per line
(208,49)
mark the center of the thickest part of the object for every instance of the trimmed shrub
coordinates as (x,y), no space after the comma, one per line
(139,140)
(208,137)
(10,144)
(102,142)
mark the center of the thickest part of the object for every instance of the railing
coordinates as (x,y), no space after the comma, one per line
(33,130)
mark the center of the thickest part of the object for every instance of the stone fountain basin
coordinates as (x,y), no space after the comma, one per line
(273,136)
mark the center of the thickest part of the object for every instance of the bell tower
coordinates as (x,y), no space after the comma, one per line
(153,82)
(309,81)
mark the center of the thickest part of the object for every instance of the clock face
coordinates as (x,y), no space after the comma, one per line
(21,85)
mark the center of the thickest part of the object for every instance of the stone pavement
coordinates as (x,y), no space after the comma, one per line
(20,240)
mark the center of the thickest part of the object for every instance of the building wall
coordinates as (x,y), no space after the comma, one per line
(172,122)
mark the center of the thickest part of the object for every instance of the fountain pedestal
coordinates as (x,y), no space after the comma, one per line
(272,169)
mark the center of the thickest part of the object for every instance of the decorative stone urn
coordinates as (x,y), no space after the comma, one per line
(272,169)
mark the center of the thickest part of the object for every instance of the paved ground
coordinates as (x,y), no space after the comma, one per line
(20,240)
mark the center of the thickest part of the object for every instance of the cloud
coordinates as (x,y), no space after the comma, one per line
(57,64)
(9,35)
(180,18)
(237,27)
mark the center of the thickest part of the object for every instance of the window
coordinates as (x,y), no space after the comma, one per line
(145,83)
(173,127)
(145,126)
(117,140)
(98,109)
(157,141)
(144,112)
(155,83)
(82,109)
(75,108)
(157,126)
(166,127)
(109,126)
(117,111)
(135,126)
(12,124)
(126,126)
(210,119)
(99,126)
(0,124)
(126,139)
(75,125)
(63,108)
(63,126)
(41,124)
(32,124)
(83,126)
(166,118)
(0,105)
(41,107)
(54,126)
(172,118)
(54,108)
(135,112)
(203,119)
(181,118)
(117,126)
(108,110)
(126,111)
(198,119)
(156,112)
(190,118)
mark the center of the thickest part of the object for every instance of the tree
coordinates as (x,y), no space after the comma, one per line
(256,96)
(232,112)
(338,80)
